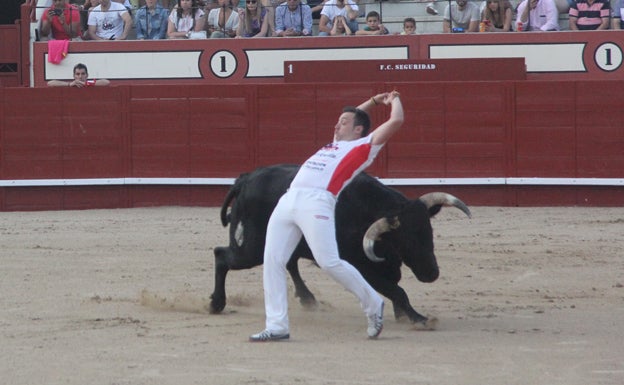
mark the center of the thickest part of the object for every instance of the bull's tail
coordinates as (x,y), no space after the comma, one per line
(233,193)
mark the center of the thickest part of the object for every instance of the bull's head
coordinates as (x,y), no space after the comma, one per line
(411,235)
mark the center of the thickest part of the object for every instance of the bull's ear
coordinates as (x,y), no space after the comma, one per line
(433,210)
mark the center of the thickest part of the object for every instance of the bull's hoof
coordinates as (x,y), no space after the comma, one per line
(216,305)
(430,323)
(308,303)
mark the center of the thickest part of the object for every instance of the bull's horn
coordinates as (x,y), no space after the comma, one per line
(380,226)
(444,199)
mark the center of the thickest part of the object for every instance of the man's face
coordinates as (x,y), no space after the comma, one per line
(150,3)
(340,3)
(293,4)
(373,22)
(345,130)
(80,74)
(59,4)
(462,3)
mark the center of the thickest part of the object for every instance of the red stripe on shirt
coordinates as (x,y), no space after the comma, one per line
(348,166)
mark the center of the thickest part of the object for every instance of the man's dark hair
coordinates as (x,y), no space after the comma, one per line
(361,118)
(80,66)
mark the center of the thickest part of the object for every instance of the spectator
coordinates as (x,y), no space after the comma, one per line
(409,26)
(340,27)
(464,15)
(81,75)
(270,6)
(223,20)
(497,16)
(109,21)
(542,16)
(253,20)
(85,11)
(373,25)
(185,18)
(348,9)
(61,21)
(293,19)
(150,21)
(618,20)
(590,15)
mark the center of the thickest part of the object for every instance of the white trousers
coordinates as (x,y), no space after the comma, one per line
(307,212)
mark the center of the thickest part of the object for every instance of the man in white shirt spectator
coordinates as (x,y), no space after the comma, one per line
(109,21)
(539,15)
(463,16)
(345,8)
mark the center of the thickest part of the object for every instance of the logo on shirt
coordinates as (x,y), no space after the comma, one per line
(331,146)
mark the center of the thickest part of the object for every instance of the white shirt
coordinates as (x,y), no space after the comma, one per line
(108,23)
(184,23)
(545,16)
(333,166)
(230,24)
(331,10)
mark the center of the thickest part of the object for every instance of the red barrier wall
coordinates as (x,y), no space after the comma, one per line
(513,129)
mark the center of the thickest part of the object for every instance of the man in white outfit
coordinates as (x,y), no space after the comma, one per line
(307,209)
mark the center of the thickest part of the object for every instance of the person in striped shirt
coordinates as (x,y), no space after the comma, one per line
(589,15)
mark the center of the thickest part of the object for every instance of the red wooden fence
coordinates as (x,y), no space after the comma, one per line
(99,147)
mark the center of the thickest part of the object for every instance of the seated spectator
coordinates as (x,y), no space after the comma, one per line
(373,25)
(618,16)
(185,18)
(81,75)
(85,10)
(348,9)
(253,20)
(340,27)
(223,20)
(409,27)
(464,15)
(271,6)
(539,15)
(61,21)
(293,19)
(497,16)
(109,21)
(150,21)
(589,15)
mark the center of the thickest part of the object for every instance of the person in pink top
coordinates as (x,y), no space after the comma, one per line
(307,209)
(61,21)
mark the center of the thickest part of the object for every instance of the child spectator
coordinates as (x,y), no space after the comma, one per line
(373,25)
(185,18)
(340,27)
(409,26)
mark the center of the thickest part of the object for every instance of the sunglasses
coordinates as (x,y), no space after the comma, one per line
(251,1)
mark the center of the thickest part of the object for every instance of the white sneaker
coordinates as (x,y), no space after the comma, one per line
(375,323)
(431,10)
(266,335)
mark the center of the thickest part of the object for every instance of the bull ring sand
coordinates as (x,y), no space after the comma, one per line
(112,297)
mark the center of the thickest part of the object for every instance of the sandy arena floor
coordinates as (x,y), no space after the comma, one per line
(111,297)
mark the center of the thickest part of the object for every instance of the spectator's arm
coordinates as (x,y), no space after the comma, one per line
(552,17)
(323,24)
(127,19)
(137,26)
(307,21)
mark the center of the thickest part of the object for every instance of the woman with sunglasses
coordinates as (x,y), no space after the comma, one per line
(253,20)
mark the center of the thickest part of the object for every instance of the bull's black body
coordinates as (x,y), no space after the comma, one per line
(361,203)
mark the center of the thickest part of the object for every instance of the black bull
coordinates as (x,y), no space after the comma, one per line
(377,229)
